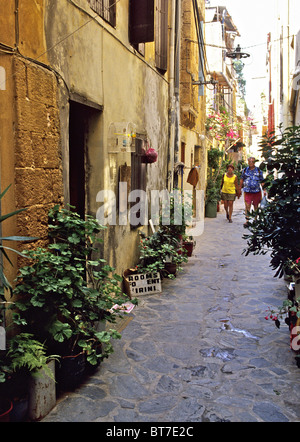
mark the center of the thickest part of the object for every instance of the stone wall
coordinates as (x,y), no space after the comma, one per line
(38,170)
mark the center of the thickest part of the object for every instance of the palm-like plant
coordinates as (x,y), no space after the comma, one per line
(4,283)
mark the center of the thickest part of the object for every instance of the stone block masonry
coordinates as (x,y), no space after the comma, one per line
(38,167)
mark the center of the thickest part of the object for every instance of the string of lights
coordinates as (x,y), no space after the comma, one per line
(253,46)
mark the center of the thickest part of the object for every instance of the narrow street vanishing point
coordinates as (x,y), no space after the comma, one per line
(201,351)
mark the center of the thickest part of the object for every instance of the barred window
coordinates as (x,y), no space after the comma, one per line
(106,9)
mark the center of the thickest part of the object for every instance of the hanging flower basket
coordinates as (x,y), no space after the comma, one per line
(150,156)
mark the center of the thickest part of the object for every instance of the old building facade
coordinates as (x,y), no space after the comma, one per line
(282,66)
(87,87)
(191,156)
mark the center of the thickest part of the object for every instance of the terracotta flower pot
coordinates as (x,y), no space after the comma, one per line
(6,407)
(170,268)
(188,247)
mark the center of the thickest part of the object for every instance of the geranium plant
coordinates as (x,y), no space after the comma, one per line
(68,289)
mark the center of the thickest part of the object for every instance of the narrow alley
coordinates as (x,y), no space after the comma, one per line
(201,351)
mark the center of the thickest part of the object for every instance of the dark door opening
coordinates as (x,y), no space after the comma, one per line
(77,139)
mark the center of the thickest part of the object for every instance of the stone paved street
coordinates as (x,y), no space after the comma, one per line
(201,351)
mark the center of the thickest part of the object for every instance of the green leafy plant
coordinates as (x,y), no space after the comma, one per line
(212,192)
(27,353)
(68,288)
(23,358)
(165,244)
(5,284)
(276,227)
(216,166)
(176,216)
(158,249)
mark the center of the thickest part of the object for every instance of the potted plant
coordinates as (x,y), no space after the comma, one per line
(216,167)
(211,199)
(67,290)
(289,312)
(25,357)
(188,245)
(161,252)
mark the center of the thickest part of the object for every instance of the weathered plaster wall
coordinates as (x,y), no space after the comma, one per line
(74,44)
(30,37)
(98,63)
(7,23)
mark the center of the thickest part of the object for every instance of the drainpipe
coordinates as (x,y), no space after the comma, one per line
(176,87)
(17,32)
(171,97)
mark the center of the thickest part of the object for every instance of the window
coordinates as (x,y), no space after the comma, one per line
(197,159)
(106,9)
(182,152)
(161,35)
(138,178)
(141,21)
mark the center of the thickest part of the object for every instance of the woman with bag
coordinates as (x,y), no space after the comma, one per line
(251,181)
(229,190)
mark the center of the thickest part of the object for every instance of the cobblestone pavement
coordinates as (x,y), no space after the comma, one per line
(201,351)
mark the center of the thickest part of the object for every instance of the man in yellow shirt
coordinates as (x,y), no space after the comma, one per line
(229,190)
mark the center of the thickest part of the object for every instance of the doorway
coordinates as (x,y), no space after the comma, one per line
(77,147)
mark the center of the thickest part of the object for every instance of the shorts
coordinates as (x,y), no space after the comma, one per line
(252,198)
(227,196)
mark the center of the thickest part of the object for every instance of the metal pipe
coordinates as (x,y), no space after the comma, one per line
(171,97)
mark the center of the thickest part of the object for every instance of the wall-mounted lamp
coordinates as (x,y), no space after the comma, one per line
(237,54)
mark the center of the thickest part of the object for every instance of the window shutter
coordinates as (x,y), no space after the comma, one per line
(161,40)
(141,21)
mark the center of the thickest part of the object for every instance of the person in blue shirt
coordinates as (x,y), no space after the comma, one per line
(251,179)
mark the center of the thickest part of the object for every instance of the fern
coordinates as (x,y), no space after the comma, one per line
(26,352)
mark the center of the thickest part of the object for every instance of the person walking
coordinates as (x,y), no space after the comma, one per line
(229,190)
(250,182)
